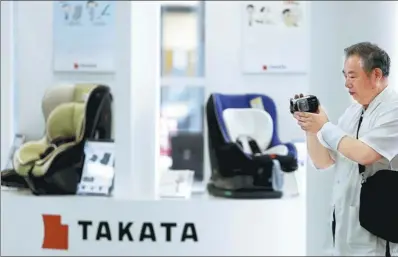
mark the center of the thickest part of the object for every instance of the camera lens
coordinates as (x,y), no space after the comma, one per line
(302,105)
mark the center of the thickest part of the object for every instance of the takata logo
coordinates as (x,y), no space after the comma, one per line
(76,65)
(56,234)
(274,67)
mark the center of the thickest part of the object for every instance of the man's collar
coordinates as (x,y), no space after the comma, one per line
(378,99)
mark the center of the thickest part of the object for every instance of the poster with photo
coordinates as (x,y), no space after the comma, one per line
(83,36)
(275,37)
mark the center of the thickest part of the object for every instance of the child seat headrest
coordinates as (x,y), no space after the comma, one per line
(67,93)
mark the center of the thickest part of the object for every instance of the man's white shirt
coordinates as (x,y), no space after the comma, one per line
(379,130)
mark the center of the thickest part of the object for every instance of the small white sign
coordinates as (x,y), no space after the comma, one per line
(176,184)
(98,171)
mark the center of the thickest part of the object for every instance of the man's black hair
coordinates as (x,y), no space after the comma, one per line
(250,6)
(286,11)
(372,57)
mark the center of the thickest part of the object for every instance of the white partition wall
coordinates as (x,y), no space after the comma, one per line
(137,97)
(7,79)
(357,21)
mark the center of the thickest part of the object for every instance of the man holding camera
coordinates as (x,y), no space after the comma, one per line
(364,141)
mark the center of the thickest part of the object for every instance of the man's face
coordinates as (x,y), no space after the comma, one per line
(250,9)
(360,84)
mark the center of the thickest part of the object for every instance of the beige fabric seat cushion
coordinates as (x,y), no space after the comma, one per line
(64,112)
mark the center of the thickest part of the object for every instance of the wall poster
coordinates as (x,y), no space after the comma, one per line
(83,36)
(275,37)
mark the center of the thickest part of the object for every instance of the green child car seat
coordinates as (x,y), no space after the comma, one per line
(53,164)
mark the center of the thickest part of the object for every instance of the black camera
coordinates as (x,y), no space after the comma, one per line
(308,103)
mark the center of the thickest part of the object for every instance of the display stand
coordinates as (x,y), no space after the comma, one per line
(203,226)
(198,227)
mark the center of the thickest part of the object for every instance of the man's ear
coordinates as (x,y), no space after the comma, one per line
(378,73)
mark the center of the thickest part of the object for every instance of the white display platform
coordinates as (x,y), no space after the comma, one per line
(223,227)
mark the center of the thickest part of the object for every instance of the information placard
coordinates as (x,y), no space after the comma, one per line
(84,36)
(275,37)
(176,184)
(98,171)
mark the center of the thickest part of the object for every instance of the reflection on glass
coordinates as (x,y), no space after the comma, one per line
(181,128)
(182,39)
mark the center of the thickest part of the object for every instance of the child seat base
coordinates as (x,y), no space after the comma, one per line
(252,193)
(10,178)
(63,182)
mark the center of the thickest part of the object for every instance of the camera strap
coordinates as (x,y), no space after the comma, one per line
(361,168)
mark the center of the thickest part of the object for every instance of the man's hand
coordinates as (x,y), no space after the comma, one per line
(311,122)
